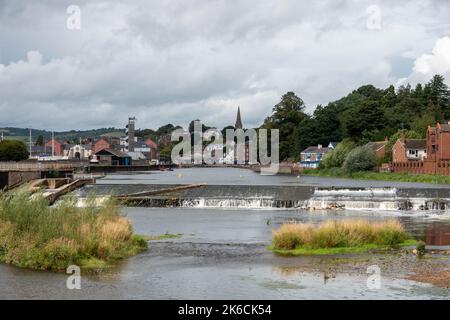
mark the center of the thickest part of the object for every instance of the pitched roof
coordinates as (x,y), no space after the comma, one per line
(376,145)
(416,144)
(333,144)
(316,149)
(101,139)
(50,142)
(238,124)
(116,153)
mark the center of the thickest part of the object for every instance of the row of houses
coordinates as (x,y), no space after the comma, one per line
(420,156)
(55,149)
(105,150)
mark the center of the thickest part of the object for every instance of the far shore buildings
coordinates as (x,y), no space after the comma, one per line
(54,147)
(100,144)
(427,156)
(120,150)
(409,150)
(379,147)
(311,157)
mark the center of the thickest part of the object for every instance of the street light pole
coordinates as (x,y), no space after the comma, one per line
(30,142)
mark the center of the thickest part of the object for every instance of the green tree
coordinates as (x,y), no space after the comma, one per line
(39,141)
(365,117)
(13,150)
(360,159)
(288,116)
(439,94)
(420,124)
(323,127)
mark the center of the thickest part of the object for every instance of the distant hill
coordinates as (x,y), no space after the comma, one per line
(72,135)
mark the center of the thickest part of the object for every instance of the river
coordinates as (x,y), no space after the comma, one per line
(222,251)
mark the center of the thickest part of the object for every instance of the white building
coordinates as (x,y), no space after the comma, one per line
(80,152)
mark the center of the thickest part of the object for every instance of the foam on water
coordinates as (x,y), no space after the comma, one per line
(240,203)
(384,199)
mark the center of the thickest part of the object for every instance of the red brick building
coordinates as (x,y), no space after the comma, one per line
(100,144)
(437,158)
(58,147)
(438,150)
(153,147)
(409,150)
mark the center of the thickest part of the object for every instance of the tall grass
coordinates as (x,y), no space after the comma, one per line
(337,234)
(34,235)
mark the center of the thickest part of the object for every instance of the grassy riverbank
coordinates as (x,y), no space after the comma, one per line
(370,175)
(34,235)
(334,237)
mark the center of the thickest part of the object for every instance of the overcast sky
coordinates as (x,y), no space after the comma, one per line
(174,61)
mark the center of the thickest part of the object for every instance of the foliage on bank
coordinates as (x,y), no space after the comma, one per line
(383,176)
(13,150)
(341,236)
(34,235)
(336,158)
(366,114)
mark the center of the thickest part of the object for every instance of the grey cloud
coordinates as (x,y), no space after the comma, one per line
(173,61)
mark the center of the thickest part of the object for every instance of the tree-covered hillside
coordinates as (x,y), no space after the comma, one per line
(366,114)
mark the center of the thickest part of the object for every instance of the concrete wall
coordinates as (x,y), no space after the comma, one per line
(15,178)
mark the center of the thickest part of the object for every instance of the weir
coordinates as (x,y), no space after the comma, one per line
(282,197)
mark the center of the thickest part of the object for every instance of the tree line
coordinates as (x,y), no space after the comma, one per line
(366,114)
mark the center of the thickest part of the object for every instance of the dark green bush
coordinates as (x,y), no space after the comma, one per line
(13,150)
(360,159)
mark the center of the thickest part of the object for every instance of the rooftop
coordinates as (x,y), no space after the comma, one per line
(376,145)
(416,143)
(316,149)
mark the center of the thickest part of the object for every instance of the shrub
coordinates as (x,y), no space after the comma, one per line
(335,158)
(13,150)
(335,234)
(360,159)
(292,235)
(58,254)
(34,235)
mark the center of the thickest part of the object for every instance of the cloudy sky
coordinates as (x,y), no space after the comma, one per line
(172,61)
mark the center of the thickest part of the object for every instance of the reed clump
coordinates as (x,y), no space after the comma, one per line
(339,234)
(34,235)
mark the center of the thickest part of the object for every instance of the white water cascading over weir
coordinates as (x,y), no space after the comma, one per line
(241,203)
(385,199)
(287,197)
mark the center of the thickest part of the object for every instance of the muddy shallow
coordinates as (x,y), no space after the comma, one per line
(222,255)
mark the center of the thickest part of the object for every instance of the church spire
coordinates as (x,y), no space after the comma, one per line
(238,124)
